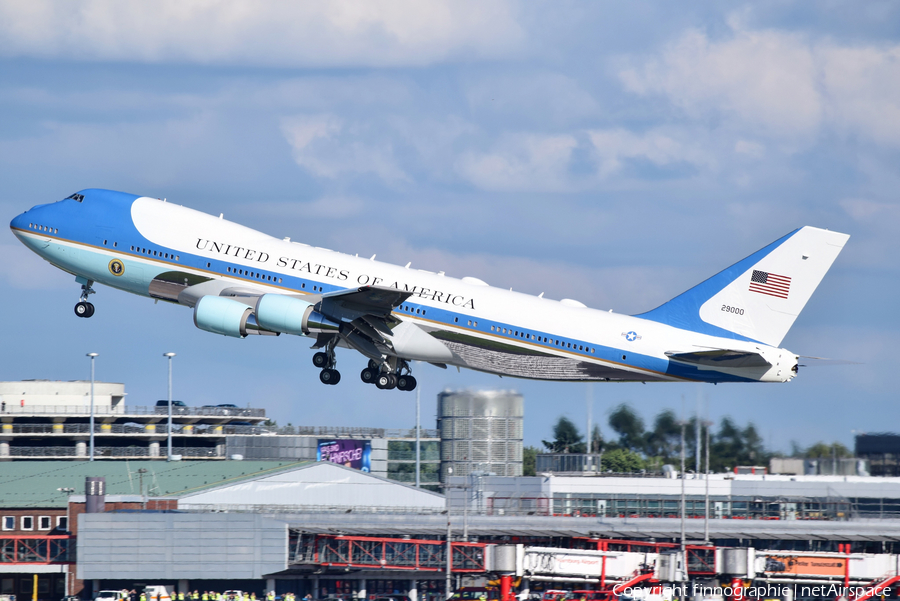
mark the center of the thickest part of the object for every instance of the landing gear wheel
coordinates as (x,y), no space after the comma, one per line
(84,309)
(320,360)
(373,365)
(386,382)
(330,376)
(406,383)
(368,375)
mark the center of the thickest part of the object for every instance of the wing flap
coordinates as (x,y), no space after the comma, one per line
(720,358)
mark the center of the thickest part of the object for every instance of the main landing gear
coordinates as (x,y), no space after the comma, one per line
(327,361)
(389,375)
(83,308)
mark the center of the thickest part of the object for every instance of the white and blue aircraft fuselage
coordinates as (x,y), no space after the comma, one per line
(239,282)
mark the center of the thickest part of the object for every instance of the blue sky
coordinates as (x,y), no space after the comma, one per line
(615,153)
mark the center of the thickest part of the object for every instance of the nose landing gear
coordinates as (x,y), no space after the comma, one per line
(83,308)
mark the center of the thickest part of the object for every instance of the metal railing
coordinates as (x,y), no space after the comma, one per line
(336,432)
(247,508)
(123,410)
(72,452)
(68,429)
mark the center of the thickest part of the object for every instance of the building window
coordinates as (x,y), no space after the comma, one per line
(27,522)
(62,522)
(44,522)
(9,522)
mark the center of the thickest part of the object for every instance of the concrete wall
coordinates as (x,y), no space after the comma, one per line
(50,393)
(175,546)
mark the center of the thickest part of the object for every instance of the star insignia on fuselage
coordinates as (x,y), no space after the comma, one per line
(631,336)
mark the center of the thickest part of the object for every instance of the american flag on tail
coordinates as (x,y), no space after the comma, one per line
(772,284)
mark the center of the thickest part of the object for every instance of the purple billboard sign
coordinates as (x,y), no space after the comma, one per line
(350,453)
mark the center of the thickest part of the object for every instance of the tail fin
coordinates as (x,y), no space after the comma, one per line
(759,297)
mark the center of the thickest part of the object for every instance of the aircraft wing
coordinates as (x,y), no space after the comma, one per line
(720,358)
(347,305)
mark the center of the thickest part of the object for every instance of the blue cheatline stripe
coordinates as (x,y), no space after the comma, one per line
(683,311)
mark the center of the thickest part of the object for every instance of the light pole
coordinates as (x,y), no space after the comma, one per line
(706,504)
(418,443)
(683,508)
(169,429)
(92,356)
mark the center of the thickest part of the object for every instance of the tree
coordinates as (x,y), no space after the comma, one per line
(665,438)
(630,428)
(529,460)
(820,450)
(622,461)
(566,438)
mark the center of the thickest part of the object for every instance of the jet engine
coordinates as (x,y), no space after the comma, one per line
(226,317)
(289,315)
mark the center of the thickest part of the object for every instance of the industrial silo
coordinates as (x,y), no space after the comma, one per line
(481,432)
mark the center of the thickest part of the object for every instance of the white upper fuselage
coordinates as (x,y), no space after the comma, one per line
(152,237)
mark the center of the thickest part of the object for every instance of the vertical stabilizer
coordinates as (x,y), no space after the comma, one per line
(759,297)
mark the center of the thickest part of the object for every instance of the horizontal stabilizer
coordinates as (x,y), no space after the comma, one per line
(720,358)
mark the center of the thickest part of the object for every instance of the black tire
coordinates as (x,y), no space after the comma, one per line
(82,309)
(383,381)
(373,366)
(393,382)
(407,383)
(90,312)
(320,360)
(337,377)
(368,375)
(329,376)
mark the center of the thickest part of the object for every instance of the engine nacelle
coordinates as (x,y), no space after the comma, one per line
(226,317)
(290,315)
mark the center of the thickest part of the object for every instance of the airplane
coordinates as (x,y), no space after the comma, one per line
(241,282)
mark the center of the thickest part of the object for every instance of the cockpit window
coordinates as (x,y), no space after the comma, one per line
(77,197)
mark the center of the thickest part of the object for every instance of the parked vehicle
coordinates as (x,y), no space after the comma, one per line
(110,596)
(178,407)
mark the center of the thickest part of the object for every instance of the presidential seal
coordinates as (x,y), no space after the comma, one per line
(116,267)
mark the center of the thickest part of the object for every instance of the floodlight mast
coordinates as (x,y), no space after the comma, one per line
(169,429)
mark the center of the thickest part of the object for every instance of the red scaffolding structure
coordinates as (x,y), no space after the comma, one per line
(397,553)
(36,549)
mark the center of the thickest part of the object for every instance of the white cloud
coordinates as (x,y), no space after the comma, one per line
(265,32)
(751,149)
(612,146)
(325,146)
(327,207)
(781,84)
(766,78)
(521,162)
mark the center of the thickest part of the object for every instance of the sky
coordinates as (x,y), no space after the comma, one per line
(615,153)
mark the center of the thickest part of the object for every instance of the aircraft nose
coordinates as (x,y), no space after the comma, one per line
(19,222)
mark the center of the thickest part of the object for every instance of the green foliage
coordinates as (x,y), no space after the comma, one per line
(637,449)
(630,428)
(529,459)
(820,450)
(622,461)
(566,438)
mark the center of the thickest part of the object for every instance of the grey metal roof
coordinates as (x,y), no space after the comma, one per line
(36,483)
(626,528)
